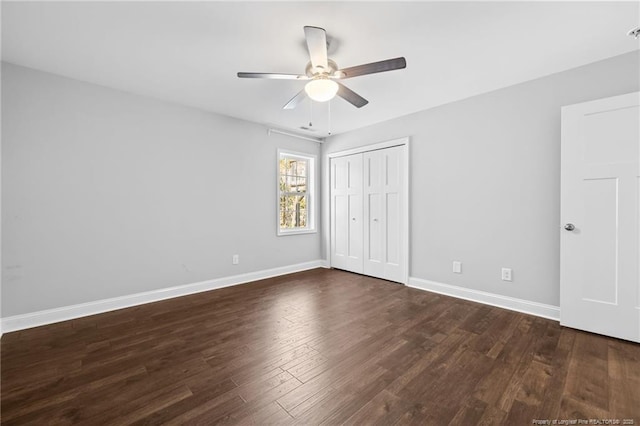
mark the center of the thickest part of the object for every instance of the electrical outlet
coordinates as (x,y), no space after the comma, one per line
(236,259)
(457,267)
(506,274)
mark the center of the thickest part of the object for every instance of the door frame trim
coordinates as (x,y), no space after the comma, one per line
(404,141)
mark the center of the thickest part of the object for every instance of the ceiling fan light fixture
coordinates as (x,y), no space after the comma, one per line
(321,89)
(321,71)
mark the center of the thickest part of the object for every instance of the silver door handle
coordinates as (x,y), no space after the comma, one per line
(569,227)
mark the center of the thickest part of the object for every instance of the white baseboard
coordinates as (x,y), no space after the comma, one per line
(50,316)
(506,302)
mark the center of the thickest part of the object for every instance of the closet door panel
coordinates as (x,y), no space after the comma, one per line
(393,190)
(355,232)
(346,213)
(341,223)
(393,230)
(373,248)
(373,215)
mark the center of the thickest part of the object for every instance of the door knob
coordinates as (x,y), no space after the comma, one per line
(569,227)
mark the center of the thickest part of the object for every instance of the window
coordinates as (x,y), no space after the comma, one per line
(295,193)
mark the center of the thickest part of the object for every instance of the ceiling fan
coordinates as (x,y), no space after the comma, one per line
(322,73)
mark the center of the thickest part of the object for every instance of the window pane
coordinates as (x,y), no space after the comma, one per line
(293,211)
(293,175)
(300,185)
(284,186)
(293,182)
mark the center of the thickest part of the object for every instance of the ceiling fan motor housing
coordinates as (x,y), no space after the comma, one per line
(312,71)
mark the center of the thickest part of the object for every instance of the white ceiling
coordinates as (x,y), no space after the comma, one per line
(189,52)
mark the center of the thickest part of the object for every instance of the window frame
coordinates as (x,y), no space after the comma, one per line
(310,193)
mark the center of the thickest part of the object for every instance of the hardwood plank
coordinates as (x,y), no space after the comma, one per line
(499,387)
(520,414)
(421,378)
(209,411)
(573,408)
(492,416)
(624,380)
(309,403)
(534,384)
(418,414)
(214,396)
(260,410)
(270,414)
(383,409)
(470,413)
(479,321)
(269,389)
(550,407)
(143,406)
(535,332)
(359,393)
(588,377)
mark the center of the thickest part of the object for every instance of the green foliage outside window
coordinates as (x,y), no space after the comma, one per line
(293,193)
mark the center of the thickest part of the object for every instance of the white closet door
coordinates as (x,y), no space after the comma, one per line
(346,213)
(383,201)
(368,213)
(600,209)
(393,188)
(374,207)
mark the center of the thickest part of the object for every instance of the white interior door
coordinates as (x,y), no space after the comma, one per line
(346,213)
(374,234)
(383,208)
(600,211)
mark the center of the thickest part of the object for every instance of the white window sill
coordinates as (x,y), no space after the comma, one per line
(296,232)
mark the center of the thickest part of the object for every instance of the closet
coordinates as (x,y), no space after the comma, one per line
(368,213)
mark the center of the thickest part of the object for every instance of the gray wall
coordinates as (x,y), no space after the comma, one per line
(106,194)
(485,179)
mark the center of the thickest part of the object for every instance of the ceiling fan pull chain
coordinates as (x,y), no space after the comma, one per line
(310,113)
(329,118)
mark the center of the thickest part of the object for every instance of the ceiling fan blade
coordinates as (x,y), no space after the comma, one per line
(295,100)
(352,97)
(373,67)
(317,45)
(272,75)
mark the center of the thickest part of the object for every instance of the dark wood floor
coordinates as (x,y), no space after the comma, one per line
(321,346)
